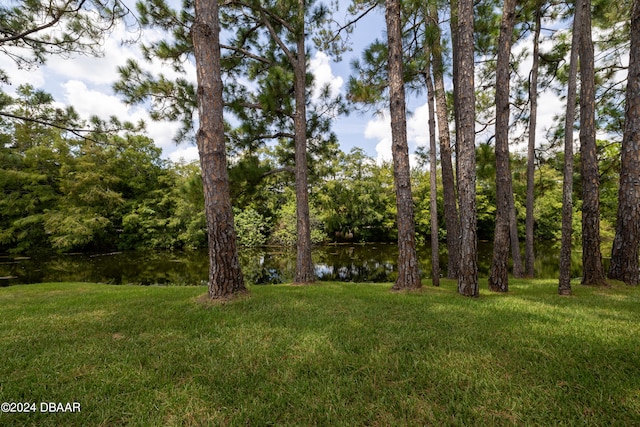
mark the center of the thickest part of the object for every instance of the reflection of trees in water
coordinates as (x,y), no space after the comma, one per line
(359,263)
(348,263)
(139,268)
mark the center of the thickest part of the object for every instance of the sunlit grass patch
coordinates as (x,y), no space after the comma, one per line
(328,354)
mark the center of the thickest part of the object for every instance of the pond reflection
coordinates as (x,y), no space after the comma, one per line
(349,263)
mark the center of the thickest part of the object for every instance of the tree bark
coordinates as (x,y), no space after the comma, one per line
(455,71)
(225,276)
(468,272)
(624,255)
(564,282)
(514,238)
(304,264)
(593,272)
(408,273)
(433,182)
(529,253)
(452,218)
(499,277)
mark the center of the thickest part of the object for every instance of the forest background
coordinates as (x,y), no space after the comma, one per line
(111,189)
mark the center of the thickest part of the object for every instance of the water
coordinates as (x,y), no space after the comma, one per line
(369,262)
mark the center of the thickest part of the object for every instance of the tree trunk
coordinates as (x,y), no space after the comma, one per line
(304,264)
(515,239)
(529,253)
(408,273)
(564,283)
(452,218)
(455,71)
(225,276)
(624,255)
(499,277)
(433,182)
(468,272)
(593,272)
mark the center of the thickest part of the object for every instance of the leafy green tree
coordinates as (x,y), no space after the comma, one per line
(356,202)
(30,158)
(251,227)
(68,193)
(285,230)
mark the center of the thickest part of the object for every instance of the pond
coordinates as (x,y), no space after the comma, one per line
(371,262)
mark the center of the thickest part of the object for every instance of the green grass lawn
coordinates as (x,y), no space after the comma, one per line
(327,355)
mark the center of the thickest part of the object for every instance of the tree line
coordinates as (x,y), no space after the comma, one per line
(102,193)
(257,75)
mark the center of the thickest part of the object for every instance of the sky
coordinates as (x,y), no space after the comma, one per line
(86,83)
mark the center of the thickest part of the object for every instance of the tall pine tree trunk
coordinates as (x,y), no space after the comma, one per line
(499,277)
(529,253)
(564,282)
(468,270)
(433,182)
(408,273)
(593,272)
(624,255)
(304,264)
(451,216)
(225,276)
(455,71)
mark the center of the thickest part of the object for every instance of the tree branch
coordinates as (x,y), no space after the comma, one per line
(247,53)
(55,20)
(353,21)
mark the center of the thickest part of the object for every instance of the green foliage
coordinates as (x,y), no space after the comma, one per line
(285,231)
(251,227)
(357,201)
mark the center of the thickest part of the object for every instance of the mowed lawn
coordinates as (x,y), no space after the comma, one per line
(331,354)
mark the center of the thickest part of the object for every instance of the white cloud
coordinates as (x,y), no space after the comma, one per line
(117,48)
(418,126)
(89,102)
(320,67)
(184,154)
(379,128)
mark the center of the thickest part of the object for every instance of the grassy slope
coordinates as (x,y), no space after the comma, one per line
(331,354)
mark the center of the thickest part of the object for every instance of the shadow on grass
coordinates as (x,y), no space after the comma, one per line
(332,354)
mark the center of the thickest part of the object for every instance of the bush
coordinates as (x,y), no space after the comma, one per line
(286,230)
(251,227)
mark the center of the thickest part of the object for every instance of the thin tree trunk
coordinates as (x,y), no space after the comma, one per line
(593,272)
(499,277)
(533,115)
(468,273)
(455,69)
(564,283)
(624,255)
(304,264)
(225,276)
(408,273)
(433,182)
(452,218)
(516,256)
